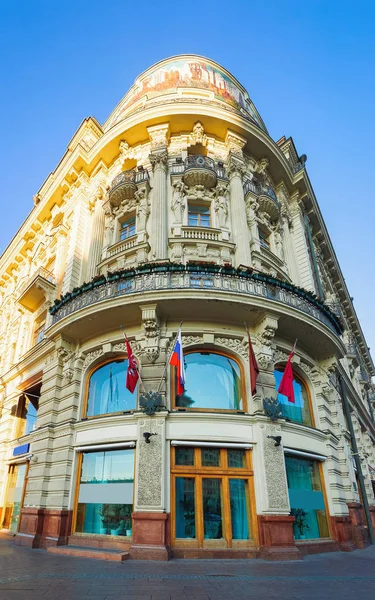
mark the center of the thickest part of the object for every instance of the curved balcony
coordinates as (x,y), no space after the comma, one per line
(200,170)
(267,198)
(123,187)
(100,304)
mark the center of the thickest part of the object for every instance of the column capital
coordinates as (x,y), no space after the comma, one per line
(159,158)
(235,166)
(235,143)
(159,136)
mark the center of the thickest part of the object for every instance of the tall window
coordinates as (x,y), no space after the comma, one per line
(39,328)
(14,496)
(127,228)
(105,496)
(300,410)
(213,381)
(199,216)
(107,391)
(264,239)
(306,498)
(213,491)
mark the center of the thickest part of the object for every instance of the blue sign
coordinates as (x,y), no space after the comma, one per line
(18,450)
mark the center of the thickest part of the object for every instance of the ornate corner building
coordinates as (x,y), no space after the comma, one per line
(181,208)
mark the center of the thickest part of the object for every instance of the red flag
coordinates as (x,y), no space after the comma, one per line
(132,374)
(286,383)
(254,369)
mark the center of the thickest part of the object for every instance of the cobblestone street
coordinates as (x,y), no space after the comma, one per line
(31,574)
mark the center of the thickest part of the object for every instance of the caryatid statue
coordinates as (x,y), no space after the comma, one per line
(178,200)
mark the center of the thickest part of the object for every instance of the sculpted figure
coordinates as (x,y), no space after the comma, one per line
(143,209)
(221,205)
(178,200)
(279,245)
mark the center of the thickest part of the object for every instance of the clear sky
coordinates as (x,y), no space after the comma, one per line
(308,65)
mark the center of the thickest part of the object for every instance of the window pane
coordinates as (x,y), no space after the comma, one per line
(185,507)
(212,511)
(105,501)
(31,417)
(13,500)
(300,410)
(107,391)
(193,220)
(185,456)
(127,229)
(236,459)
(210,457)
(239,509)
(306,498)
(212,381)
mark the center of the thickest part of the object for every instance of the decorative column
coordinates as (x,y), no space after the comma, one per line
(159,219)
(300,247)
(96,241)
(236,169)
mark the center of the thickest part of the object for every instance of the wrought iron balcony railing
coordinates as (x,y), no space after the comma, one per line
(260,189)
(168,276)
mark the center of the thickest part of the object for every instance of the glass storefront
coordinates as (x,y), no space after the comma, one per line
(212,498)
(306,498)
(213,381)
(105,497)
(14,496)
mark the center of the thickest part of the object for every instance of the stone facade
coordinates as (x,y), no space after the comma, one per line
(130,195)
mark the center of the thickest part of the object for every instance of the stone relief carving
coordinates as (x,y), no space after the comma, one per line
(221,205)
(92,356)
(237,345)
(178,200)
(279,244)
(143,208)
(150,465)
(277,491)
(159,160)
(266,336)
(198,136)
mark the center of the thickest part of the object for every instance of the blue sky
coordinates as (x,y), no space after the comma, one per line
(309,67)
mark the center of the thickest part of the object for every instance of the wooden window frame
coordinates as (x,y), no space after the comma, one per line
(124,224)
(241,411)
(198,473)
(302,381)
(264,238)
(198,214)
(88,376)
(76,495)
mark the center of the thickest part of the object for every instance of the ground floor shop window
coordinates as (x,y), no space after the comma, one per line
(105,494)
(14,496)
(213,497)
(306,498)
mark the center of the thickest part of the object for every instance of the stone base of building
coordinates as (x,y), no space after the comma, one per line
(276,538)
(306,547)
(360,535)
(150,536)
(41,527)
(210,553)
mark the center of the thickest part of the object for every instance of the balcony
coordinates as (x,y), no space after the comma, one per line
(200,170)
(157,279)
(39,287)
(123,187)
(266,197)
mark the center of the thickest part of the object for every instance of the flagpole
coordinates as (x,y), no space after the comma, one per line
(169,357)
(139,375)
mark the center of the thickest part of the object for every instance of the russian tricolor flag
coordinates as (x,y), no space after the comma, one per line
(177,360)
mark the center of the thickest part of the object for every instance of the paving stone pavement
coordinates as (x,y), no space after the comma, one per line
(35,574)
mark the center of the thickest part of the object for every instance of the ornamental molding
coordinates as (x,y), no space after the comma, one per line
(159,136)
(198,135)
(92,356)
(235,144)
(237,345)
(159,159)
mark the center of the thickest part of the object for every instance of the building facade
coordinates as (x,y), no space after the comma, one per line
(181,209)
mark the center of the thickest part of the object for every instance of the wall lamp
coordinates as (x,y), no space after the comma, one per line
(277,439)
(147,436)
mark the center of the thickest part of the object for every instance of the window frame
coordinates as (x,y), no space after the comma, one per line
(264,238)
(78,474)
(176,408)
(88,376)
(301,381)
(132,220)
(190,210)
(325,498)
(224,473)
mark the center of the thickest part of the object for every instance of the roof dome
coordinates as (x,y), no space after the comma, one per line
(185,78)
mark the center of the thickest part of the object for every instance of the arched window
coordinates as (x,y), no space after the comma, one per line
(107,391)
(213,381)
(300,411)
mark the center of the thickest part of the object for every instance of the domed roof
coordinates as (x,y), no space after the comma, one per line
(181,79)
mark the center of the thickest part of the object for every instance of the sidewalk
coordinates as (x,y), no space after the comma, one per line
(35,574)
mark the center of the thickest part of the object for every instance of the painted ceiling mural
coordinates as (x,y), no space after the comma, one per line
(186,73)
